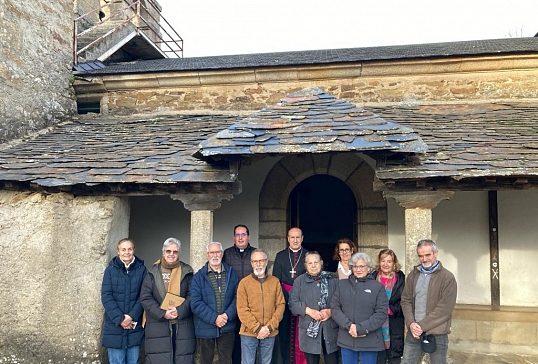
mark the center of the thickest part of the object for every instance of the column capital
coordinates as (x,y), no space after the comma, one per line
(208,197)
(419,199)
(198,202)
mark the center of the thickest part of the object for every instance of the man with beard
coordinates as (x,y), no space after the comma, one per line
(428,298)
(213,291)
(260,306)
(289,264)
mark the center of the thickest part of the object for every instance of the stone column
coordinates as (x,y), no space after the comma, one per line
(201,206)
(418,218)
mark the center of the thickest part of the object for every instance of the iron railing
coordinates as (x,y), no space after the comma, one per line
(121,13)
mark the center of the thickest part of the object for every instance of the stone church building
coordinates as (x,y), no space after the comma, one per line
(384,145)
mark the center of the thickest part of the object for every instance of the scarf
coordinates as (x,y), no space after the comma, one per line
(430,269)
(388,284)
(313,327)
(173,285)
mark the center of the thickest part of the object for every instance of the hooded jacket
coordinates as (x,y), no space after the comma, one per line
(120,295)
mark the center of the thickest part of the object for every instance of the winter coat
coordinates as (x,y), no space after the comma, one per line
(396,320)
(158,345)
(306,293)
(240,263)
(120,295)
(204,303)
(363,302)
(442,292)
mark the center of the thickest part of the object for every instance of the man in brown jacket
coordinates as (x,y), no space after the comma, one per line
(260,307)
(428,298)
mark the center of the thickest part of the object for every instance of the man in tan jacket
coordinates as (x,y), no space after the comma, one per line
(260,307)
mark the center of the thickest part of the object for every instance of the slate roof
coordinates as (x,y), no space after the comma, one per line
(413,51)
(463,141)
(311,121)
(467,141)
(116,150)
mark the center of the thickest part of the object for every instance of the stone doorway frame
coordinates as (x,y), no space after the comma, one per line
(351,168)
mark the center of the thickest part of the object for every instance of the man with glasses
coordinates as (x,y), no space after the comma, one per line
(428,298)
(238,257)
(213,292)
(289,264)
(260,307)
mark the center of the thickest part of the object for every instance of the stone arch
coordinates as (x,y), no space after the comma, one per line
(351,168)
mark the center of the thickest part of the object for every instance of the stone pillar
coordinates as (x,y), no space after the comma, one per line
(201,206)
(418,218)
(201,235)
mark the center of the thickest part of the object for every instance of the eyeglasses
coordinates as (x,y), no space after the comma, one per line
(346,250)
(215,252)
(242,235)
(260,261)
(360,267)
(175,252)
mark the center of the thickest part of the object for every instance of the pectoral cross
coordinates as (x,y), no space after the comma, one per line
(293,271)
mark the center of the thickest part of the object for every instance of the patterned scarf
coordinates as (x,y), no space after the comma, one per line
(323,278)
(388,284)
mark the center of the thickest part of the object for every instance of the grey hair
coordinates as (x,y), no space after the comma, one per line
(260,251)
(363,256)
(171,241)
(213,242)
(429,242)
(313,252)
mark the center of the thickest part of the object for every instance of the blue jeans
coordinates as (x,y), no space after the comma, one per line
(352,357)
(123,356)
(413,352)
(249,344)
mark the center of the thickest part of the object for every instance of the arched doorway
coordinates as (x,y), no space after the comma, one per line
(351,169)
(325,209)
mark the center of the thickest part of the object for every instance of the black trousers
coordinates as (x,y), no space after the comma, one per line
(224,344)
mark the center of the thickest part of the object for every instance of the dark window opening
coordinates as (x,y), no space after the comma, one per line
(87,107)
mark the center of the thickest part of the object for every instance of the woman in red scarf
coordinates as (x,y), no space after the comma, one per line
(389,274)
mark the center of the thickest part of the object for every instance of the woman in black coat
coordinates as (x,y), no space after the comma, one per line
(389,274)
(120,295)
(169,330)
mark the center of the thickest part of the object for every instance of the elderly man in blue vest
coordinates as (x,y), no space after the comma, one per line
(213,303)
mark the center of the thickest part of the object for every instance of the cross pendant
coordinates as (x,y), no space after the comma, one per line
(293,271)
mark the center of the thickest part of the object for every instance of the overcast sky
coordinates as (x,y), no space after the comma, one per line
(219,27)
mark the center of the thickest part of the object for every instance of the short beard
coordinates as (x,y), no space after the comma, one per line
(259,274)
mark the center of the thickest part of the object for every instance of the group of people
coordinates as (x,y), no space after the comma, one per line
(233,306)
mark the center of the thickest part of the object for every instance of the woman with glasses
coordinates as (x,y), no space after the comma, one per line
(169,324)
(343,251)
(359,307)
(393,279)
(309,299)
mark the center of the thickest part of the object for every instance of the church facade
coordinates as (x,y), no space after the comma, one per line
(383,145)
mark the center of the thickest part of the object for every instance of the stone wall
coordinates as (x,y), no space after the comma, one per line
(54,252)
(35,65)
(410,83)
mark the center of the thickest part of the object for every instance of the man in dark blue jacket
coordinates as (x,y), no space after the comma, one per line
(213,296)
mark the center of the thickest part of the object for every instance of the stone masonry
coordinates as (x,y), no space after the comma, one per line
(35,65)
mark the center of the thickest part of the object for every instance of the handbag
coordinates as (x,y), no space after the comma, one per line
(427,343)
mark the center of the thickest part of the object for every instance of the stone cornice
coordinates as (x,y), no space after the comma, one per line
(350,70)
